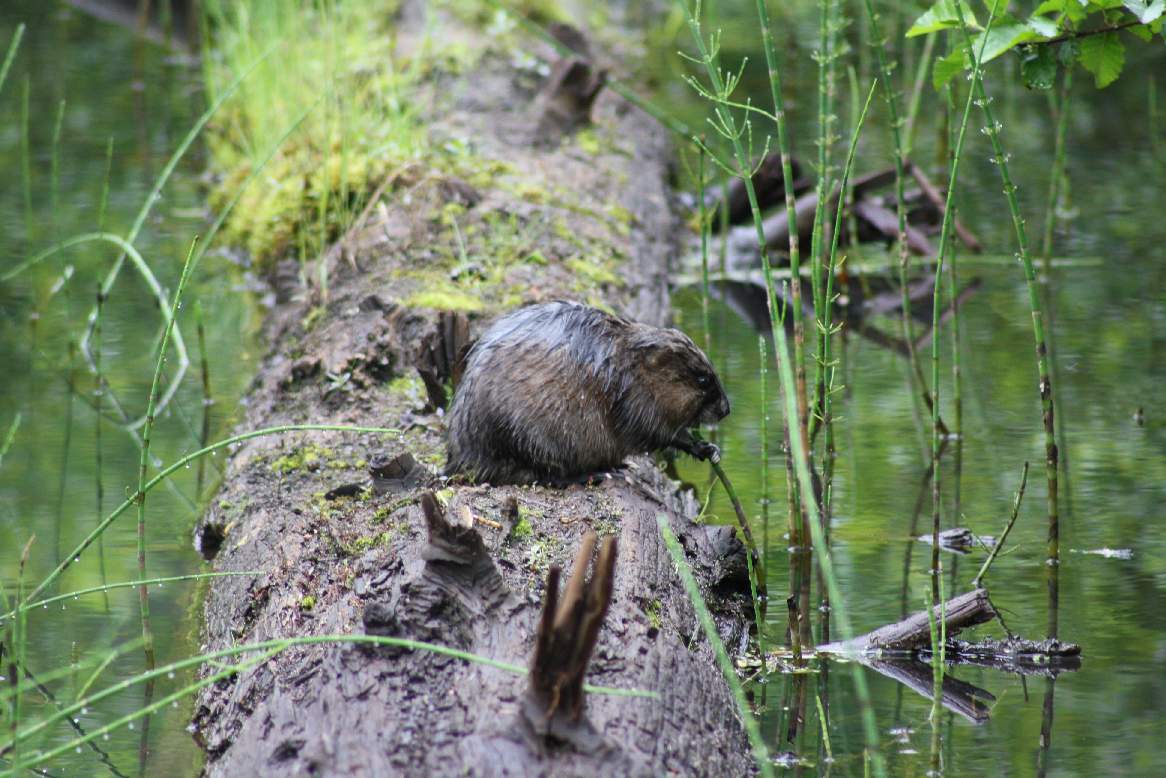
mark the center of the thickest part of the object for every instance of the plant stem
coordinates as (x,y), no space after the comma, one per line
(825,142)
(207,400)
(1058,171)
(1045,384)
(826,327)
(704,252)
(147,432)
(764,425)
(878,41)
(944,242)
(977,581)
(799,388)
(794,396)
(760,752)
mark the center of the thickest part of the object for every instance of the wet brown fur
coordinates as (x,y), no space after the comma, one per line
(561,390)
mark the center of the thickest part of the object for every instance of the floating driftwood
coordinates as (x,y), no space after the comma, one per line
(913,632)
(872,217)
(903,651)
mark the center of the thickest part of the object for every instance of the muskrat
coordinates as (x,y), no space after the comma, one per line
(557,391)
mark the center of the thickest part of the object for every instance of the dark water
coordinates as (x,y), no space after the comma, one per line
(1110,331)
(146,100)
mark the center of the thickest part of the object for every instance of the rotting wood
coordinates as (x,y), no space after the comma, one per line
(566,638)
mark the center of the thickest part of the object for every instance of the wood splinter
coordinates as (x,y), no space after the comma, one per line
(567,633)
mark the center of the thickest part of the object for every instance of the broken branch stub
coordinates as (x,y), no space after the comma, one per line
(567,633)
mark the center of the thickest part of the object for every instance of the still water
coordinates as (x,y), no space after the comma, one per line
(144,98)
(1109,340)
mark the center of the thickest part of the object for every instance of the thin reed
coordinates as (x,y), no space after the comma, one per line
(756,741)
(265,650)
(992,128)
(944,243)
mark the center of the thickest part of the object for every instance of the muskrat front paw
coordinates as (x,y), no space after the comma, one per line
(707,451)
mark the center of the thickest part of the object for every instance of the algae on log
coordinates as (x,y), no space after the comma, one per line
(587,220)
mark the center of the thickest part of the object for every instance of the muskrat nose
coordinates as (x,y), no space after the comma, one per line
(716,410)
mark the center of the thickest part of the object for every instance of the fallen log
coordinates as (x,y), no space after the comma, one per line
(468,570)
(932,194)
(914,632)
(768,186)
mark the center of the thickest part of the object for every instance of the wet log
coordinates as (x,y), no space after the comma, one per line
(969,701)
(776,226)
(884,223)
(468,571)
(937,201)
(768,185)
(914,632)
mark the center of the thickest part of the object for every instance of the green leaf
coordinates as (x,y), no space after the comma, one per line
(1103,56)
(1141,31)
(1004,35)
(1038,67)
(1071,8)
(1145,11)
(947,68)
(1046,28)
(1068,52)
(942,16)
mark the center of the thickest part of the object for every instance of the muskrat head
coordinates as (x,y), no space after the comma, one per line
(680,379)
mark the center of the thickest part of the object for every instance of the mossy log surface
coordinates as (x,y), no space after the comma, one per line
(358,563)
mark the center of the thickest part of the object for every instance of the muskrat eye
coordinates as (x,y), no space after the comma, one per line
(703,380)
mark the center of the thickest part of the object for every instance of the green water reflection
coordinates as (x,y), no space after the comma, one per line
(145,100)
(1110,334)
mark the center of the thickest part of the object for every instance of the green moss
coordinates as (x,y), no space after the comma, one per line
(448,299)
(595,271)
(654,611)
(312,318)
(309,456)
(363,544)
(522,529)
(588,141)
(307,602)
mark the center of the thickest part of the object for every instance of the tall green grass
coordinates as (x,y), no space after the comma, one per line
(356,94)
